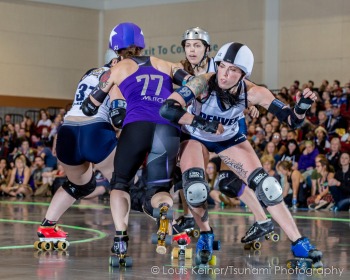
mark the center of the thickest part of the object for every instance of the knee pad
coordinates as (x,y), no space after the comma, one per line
(267,189)
(80,191)
(119,184)
(229,184)
(195,187)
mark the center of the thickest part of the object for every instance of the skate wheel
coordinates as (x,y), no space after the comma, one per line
(62,245)
(170,214)
(247,246)
(318,266)
(275,261)
(127,262)
(114,261)
(46,246)
(195,233)
(188,253)
(275,237)
(156,213)
(168,240)
(256,245)
(154,238)
(216,245)
(161,250)
(37,245)
(213,260)
(290,264)
(175,253)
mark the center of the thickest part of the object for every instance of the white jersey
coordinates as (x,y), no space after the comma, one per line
(211,109)
(85,86)
(212,66)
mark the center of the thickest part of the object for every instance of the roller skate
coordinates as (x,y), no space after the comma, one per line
(187,224)
(306,255)
(182,239)
(119,248)
(256,231)
(164,217)
(51,237)
(204,249)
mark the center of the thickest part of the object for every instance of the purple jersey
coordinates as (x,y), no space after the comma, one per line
(145,91)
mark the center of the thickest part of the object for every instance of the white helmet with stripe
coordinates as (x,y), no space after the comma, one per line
(237,54)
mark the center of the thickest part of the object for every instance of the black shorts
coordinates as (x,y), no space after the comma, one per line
(159,142)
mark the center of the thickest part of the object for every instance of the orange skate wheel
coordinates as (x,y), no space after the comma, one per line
(62,245)
(175,253)
(188,253)
(37,245)
(46,246)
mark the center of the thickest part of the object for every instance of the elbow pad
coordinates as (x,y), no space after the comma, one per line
(180,77)
(117,112)
(172,111)
(89,109)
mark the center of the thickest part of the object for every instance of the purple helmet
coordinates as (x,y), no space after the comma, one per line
(126,34)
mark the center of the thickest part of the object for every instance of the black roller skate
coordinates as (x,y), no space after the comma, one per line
(306,255)
(205,247)
(187,224)
(256,231)
(119,248)
(164,216)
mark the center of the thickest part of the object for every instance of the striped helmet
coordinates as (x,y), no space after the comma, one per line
(237,54)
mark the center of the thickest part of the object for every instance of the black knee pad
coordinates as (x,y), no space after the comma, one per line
(267,189)
(80,191)
(119,184)
(195,187)
(230,184)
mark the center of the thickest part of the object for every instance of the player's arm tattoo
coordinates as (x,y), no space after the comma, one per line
(104,79)
(198,85)
(236,166)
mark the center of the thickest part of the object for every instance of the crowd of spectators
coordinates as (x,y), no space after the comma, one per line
(318,151)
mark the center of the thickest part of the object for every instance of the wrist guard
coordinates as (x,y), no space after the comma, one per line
(199,122)
(117,112)
(303,105)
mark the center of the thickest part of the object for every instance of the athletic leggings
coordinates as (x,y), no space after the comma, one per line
(139,139)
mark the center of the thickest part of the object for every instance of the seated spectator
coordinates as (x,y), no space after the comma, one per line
(271,150)
(37,172)
(320,195)
(46,154)
(312,113)
(27,151)
(44,121)
(340,185)
(20,184)
(306,161)
(322,143)
(52,180)
(292,153)
(5,172)
(336,122)
(339,98)
(333,155)
(293,185)
(268,164)
(323,119)
(276,139)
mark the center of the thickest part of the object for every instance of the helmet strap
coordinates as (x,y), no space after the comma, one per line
(204,58)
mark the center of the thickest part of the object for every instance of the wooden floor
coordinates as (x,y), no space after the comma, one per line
(91,231)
